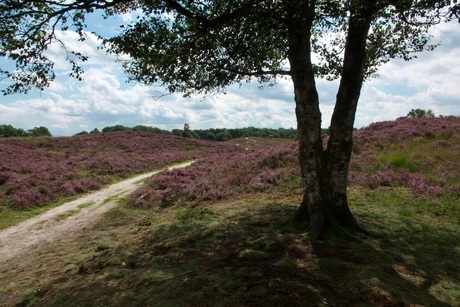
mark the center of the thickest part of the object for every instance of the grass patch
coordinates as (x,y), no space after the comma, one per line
(399,160)
(67,214)
(12,216)
(242,252)
(189,213)
(85,205)
(111,198)
(431,156)
(85,173)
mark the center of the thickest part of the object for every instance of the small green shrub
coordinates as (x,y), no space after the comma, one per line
(188,213)
(400,161)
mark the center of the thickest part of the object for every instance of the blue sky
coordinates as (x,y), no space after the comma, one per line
(103,98)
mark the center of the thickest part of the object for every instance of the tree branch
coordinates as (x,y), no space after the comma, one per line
(223,19)
(215,22)
(179,9)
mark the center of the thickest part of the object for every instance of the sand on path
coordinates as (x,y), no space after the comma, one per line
(67,218)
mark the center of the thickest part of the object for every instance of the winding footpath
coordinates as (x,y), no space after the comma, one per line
(67,218)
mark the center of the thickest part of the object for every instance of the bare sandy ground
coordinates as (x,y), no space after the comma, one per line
(67,218)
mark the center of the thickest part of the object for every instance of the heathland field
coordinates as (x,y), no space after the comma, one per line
(217,233)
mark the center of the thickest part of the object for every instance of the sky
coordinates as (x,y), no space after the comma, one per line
(104,98)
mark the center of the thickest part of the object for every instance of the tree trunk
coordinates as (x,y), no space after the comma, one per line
(324,209)
(340,143)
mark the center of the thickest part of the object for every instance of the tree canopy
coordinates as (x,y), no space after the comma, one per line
(10,131)
(232,41)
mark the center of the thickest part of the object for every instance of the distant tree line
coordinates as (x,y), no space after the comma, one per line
(124,129)
(9,131)
(220,134)
(223,134)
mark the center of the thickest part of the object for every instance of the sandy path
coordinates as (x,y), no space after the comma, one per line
(48,226)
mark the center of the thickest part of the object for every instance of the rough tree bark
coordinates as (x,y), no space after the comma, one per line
(324,208)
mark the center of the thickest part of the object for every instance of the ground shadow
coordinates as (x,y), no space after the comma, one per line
(251,257)
(405,265)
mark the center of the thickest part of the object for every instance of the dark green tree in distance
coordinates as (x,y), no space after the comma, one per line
(187,132)
(115,128)
(9,131)
(177,132)
(223,136)
(39,131)
(420,113)
(84,132)
(204,46)
(210,136)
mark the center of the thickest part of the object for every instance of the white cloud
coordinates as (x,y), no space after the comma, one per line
(103,99)
(56,113)
(428,82)
(89,47)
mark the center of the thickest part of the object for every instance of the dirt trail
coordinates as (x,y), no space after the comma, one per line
(53,224)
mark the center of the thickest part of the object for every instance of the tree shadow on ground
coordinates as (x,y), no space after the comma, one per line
(251,257)
(405,265)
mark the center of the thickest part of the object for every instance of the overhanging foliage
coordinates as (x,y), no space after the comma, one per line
(207,45)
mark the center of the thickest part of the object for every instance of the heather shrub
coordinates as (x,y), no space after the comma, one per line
(386,177)
(4,177)
(103,179)
(68,188)
(165,197)
(387,157)
(421,187)
(91,184)
(276,158)
(27,198)
(80,188)
(142,198)
(224,174)
(396,132)
(265,180)
(73,165)
(420,154)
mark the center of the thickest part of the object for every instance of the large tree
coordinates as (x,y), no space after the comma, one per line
(202,46)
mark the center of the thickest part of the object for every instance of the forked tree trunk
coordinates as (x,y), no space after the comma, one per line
(324,209)
(339,148)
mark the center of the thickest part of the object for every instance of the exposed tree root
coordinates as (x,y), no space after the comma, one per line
(328,228)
